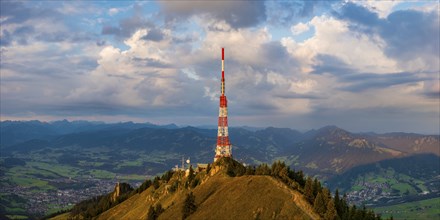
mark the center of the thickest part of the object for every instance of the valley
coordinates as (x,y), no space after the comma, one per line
(77,160)
(391,181)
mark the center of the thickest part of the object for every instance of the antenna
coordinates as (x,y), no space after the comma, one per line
(224,147)
(183,162)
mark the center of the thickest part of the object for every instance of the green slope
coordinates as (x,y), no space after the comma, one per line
(423,209)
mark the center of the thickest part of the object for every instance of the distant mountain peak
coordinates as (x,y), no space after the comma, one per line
(331,128)
(334,133)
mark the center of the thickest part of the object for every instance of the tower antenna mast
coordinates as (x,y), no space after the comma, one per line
(224,147)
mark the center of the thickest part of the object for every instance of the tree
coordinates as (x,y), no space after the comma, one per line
(250,170)
(352,212)
(167,175)
(158,210)
(331,213)
(345,209)
(319,205)
(262,169)
(326,195)
(337,203)
(277,167)
(308,190)
(189,205)
(156,183)
(194,183)
(316,187)
(284,174)
(208,168)
(191,174)
(153,213)
(144,186)
(299,178)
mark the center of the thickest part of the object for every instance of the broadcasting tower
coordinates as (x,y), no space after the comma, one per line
(224,148)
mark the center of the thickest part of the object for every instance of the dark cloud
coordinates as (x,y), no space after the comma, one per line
(58,68)
(330,64)
(358,14)
(6,38)
(260,106)
(16,12)
(52,37)
(25,34)
(19,18)
(154,35)
(365,81)
(275,51)
(377,119)
(127,26)
(64,36)
(60,107)
(411,33)
(21,34)
(359,81)
(288,12)
(276,57)
(151,62)
(100,43)
(408,33)
(298,96)
(184,39)
(432,95)
(110,30)
(239,14)
(24,30)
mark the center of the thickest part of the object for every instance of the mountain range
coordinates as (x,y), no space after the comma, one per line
(38,159)
(326,151)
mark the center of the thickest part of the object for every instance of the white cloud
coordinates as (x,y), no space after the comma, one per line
(333,37)
(113,11)
(382,8)
(303,86)
(299,28)
(146,75)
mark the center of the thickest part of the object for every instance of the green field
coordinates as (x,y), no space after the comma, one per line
(399,183)
(424,209)
(47,170)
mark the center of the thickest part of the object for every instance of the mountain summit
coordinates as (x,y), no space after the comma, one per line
(223,190)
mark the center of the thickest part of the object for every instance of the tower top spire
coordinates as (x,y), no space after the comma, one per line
(223,71)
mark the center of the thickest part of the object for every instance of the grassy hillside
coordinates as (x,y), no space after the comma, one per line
(251,197)
(424,209)
(220,196)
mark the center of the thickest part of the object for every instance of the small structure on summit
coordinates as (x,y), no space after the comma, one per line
(201,167)
(224,147)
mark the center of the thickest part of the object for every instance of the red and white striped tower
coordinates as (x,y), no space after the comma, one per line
(224,148)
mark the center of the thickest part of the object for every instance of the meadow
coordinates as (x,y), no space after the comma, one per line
(424,209)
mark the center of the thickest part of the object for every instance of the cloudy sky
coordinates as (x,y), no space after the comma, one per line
(359,65)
